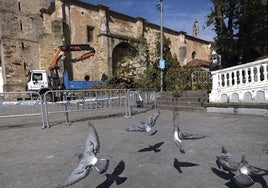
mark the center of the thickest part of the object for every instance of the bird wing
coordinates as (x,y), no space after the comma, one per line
(190,136)
(243,180)
(257,171)
(179,145)
(80,172)
(155,116)
(93,137)
(176,120)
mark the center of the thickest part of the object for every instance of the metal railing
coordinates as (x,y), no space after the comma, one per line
(21,104)
(70,101)
(66,102)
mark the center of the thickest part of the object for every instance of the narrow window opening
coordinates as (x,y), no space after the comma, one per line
(22,45)
(21,26)
(90,33)
(19,6)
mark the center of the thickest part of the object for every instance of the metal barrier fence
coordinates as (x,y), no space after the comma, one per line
(69,101)
(16,104)
(20,104)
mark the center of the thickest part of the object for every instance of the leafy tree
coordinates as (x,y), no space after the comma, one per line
(235,22)
(176,77)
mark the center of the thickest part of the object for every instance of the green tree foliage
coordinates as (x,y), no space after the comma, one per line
(176,78)
(235,22)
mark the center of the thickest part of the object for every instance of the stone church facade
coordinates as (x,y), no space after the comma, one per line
(31,31)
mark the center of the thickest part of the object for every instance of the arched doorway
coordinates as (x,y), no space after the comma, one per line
(121,51)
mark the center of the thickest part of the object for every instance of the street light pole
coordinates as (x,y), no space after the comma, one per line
(161,41)
(161,60)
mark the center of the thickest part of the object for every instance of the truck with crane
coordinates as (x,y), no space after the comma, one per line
(39,81)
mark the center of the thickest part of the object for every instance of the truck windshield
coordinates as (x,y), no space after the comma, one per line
(37,76)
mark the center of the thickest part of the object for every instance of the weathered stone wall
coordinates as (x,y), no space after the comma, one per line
(21,26)
(29,41)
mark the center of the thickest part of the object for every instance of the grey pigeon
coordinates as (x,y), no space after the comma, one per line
(242,178)
(88,159)
(251,170)
(185,135)
(146,126)
(224,162)
(176,132)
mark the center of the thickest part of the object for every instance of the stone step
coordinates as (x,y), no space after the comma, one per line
(181,108)
(187,101)
(179,103)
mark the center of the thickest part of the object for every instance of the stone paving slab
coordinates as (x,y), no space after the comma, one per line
(34,158)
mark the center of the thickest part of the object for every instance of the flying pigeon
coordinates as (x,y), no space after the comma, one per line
(146,126)
(88,159)
(224,162)
(176,132)
(242,178)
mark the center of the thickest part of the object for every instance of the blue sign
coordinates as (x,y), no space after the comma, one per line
(162,63)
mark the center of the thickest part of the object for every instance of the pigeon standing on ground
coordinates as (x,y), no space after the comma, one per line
(224,162)
(248,174)
(176,131)
(242,178)
(146,126)
(88,159)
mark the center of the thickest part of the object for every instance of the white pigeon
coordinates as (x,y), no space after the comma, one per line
(146,126)
(88,159)
(176,131)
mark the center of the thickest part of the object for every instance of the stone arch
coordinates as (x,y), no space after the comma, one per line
(234,97)
(260,97)
(224,98)
(120,51)
(247,97)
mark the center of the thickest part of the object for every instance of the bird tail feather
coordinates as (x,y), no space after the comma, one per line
(102,165)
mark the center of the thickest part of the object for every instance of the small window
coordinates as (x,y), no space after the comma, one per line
(90,33)
(182,52)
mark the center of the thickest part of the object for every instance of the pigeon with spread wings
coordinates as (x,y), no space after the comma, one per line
(88,159)
(146,126)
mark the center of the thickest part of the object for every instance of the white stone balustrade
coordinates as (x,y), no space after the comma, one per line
(246,83)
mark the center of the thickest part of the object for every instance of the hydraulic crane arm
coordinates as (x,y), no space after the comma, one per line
(69,48)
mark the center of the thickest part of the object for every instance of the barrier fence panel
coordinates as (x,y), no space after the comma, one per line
(138,97)
(69,101)
(19,104)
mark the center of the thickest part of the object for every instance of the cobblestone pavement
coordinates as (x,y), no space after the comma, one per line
(34,158)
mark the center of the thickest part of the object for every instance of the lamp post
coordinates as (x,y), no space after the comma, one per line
(161,61)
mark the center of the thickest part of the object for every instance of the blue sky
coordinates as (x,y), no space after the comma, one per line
(178,15)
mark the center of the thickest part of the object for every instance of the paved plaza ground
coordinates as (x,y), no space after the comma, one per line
(34,158)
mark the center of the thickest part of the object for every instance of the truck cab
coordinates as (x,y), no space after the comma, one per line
(37,80)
